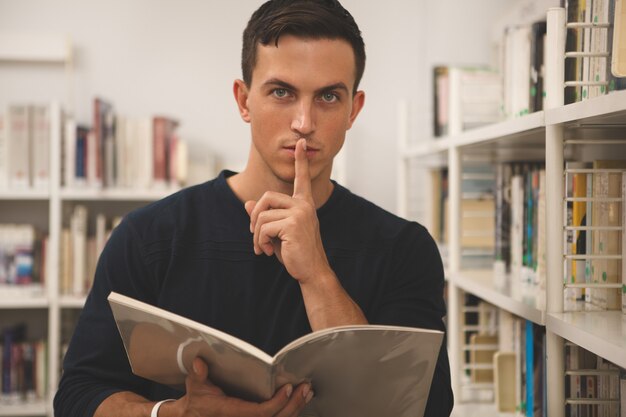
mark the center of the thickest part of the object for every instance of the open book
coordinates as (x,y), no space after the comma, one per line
(366,370)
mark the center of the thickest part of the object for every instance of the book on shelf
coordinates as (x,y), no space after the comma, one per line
(22,367)
(22,260)
(606,185)
(577,270)
(18,141)
(592,40)
(618,50)
(465,98)
(123,152)
(80,250)
(592,384)
(25,139)
(390,375)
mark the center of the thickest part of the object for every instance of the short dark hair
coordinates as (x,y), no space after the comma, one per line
(309,19)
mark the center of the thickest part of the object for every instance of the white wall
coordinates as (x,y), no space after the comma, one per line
(180,58)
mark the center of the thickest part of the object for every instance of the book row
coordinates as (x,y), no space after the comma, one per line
(123,152)
(506,356)
(596,192)
(23,367)
(594,387)
(590,68)
(80,250)
(114,151)
(467,97)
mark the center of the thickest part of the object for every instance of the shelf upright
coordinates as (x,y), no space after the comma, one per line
(455,301)
(555,361)
(52,264)
(54,50)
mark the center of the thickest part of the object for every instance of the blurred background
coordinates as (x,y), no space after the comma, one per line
(179,58)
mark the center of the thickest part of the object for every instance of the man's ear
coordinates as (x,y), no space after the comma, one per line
(240,90)
(357,104)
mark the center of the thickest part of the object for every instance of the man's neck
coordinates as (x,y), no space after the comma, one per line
(248,186)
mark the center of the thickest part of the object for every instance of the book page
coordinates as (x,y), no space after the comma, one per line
(162,345)
(365,371)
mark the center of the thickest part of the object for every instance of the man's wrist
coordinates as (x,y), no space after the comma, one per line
(157,406)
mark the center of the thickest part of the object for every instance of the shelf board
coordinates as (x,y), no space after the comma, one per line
(477,410)
(481,284)
(603,109)
(24,409)
(69,301)
(26,194)
(514,133)
(91,194)
(35,48)
(601,332)
(22,296)
(23,302)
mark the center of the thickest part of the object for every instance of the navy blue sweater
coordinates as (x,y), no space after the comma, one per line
(191,253)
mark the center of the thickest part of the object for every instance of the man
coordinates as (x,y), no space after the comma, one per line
(268,254)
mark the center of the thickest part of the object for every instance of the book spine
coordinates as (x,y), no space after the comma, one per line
(79,239)
(69,153)
(530,389)
(159,150)
(19,146)
(41,146)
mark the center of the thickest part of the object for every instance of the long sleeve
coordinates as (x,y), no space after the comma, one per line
(413,296)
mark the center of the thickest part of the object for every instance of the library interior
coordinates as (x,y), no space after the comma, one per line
(497,125)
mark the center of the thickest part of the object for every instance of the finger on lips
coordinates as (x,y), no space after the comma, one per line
(302,179)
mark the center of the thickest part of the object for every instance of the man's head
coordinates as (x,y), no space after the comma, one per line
(307,19)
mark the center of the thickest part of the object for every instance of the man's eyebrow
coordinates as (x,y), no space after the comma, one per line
(284,84)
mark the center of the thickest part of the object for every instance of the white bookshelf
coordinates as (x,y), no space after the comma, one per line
(540,136)
(23,409)
(482,284)
(601,332)
(47,304)
(121,194)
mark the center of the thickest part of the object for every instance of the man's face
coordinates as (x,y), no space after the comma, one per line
(302,88)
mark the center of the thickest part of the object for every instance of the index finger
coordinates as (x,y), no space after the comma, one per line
(302,180)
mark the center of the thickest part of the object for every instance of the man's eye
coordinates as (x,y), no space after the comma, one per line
(329,97)
(280,92)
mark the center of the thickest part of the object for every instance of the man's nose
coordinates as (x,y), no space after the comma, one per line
(304,119)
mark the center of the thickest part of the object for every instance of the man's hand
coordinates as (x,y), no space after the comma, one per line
(205,399)
(287,226)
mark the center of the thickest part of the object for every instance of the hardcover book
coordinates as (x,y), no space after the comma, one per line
(361,370)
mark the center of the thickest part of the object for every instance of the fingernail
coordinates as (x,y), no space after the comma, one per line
(309,397)
(304,145)
(251,229)
(289,390)
(195,368)
(306,390)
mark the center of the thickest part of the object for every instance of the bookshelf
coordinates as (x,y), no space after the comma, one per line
(546,136)
(43,308)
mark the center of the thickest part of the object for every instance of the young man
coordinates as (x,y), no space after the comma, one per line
(268,254)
